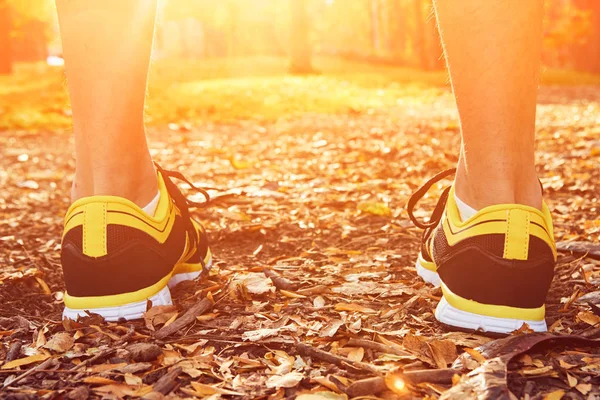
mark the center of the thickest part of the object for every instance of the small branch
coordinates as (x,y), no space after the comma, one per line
(309,351)
(167,382)
(430,375)
(103,353)
(48,363)
(591,250)
(14,350)
(380,347)
(365,387)
(279,281)
(188,318)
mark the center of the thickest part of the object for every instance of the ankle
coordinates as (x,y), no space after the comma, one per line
(483,191)
(139,184)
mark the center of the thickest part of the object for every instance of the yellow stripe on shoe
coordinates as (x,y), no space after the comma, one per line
(92,302)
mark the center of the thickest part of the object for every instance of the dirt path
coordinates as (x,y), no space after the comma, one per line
(320,201)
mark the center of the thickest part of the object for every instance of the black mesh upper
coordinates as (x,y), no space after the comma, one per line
(475,269)
(491,243)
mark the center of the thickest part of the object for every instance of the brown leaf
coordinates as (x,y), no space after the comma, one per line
(143,352)
(588,317)
(571,380)
(159,315)
(60,342)
(288,380)
(555,395)
(354,307)
(443,352)
(25,361)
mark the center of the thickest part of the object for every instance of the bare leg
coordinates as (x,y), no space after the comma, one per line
(107,48)
(493,50)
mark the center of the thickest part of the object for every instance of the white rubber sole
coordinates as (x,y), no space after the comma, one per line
(126,311)
(428,275)
(136,310)
(449,315)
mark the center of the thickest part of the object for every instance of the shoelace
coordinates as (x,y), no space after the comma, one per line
(438,211)
(182,202)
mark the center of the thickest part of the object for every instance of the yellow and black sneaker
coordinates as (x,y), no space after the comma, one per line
(115,257)
(495,269)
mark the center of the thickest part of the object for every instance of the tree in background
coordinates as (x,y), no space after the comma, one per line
(301,52)
(586,51)
(6,58)
(24,31)
(399,32)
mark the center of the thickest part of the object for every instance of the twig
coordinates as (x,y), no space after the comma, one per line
(188,318)
(103,353)
(309,351)
(364,387)
(167,382)
(584,249)
(14,350)
(127,336)
(279,281)
(430,375)
(380,347)
(49,362)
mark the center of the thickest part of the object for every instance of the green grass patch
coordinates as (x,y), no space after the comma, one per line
(35,98)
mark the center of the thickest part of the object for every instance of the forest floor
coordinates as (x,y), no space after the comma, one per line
(314,294)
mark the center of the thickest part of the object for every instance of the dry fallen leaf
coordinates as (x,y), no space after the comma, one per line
(354,307)
(356,354)
(319,302)
(255,282)
(25,361)
(60,342)
(259,334)
(584,388)
(292,295)
(588,317)
(537,371)
(555,395)
(443,352)
(99,380)
(322,396)
(122,390)
(571,380)
(288,380)
(375,208)
(204,390)
(159,315)
(331,329)
(475,354)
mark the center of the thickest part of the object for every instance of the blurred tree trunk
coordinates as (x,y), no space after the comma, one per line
(301,57)
(6,59)
(375,27)
(587,55)
(420,45)
(434,43)
(427,38)
(233,21)
(398,37)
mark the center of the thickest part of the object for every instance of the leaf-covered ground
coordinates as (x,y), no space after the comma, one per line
(314,293)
